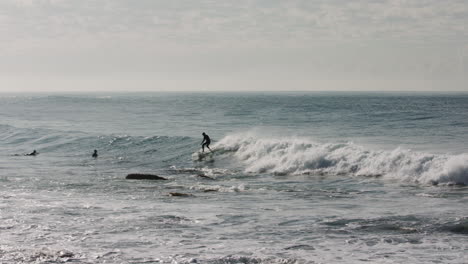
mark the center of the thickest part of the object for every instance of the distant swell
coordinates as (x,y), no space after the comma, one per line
(303,156)
(51,142)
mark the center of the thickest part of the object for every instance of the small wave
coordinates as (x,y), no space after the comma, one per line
(459,227)
(293,155)
(243,259)
(207,172)
(219,188)
(421,118)
(49,140)
(42,255)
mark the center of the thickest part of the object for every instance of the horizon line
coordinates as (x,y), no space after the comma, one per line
(231,91)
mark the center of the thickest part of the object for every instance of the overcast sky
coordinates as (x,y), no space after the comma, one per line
(217,45)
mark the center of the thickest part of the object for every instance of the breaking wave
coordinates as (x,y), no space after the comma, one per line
(256,154)
(294,155)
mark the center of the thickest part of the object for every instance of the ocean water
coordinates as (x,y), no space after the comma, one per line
(294,178)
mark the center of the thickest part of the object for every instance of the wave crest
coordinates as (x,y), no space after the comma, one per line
(294,155)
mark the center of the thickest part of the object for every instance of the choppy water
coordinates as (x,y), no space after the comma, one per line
(295,178)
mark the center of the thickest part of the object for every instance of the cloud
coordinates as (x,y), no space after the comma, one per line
(296,39)
(243,20)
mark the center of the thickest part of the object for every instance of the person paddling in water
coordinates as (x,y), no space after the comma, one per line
(34,153)
(206,142)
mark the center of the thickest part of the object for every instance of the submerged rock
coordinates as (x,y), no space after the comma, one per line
(142,176)
(201,175)
(179,194)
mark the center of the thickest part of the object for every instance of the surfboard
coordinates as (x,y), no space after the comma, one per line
(202,156)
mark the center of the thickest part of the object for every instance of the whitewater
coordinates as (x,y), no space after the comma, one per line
(289,156)
(293,178)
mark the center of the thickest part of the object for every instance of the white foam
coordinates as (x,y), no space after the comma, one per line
(296,155)
(219,188)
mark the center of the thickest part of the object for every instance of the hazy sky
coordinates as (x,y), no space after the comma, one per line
(153,45)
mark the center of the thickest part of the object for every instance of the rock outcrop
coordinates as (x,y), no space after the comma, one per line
(180,194)
(142,176)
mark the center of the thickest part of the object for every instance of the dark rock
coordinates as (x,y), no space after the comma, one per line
(141,176)
(280,173)
(179,194)
(303,247)
(201,175)
(376,175)
(65,254)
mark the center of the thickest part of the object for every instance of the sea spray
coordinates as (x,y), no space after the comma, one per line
(301,155)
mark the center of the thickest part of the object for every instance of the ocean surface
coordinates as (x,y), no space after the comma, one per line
(293,178)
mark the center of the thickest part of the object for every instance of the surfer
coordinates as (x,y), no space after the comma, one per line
(206,142)
(95,155)
(34,153)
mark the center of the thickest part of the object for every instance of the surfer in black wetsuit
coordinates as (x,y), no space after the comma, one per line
(206,142)
(34,153)
(95,155)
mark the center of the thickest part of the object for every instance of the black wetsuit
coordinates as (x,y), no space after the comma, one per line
(207,141)
(34,153)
